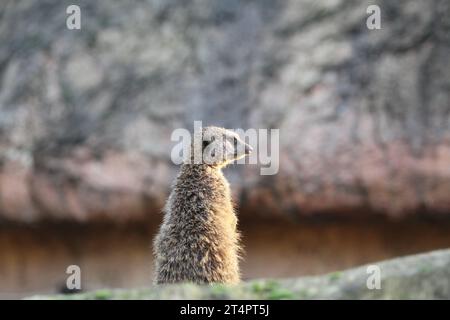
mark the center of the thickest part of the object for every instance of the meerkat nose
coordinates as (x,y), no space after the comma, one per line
(248,149)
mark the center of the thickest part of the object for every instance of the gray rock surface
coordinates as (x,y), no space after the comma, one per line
(86,116)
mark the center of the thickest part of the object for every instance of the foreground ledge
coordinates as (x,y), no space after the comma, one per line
(423,276)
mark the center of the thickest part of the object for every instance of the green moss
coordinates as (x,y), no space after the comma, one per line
(335,276)
(264,287)
(271,289)
(280,293)
(103,294)
(271,285)
(219,291)
(258,287)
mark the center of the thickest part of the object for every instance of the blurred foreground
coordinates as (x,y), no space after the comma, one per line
(425,276)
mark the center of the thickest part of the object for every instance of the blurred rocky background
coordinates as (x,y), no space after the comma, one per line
(86,117)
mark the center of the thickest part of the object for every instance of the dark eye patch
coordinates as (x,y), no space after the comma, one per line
(206,142)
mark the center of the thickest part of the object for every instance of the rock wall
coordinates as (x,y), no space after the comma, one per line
(86,116)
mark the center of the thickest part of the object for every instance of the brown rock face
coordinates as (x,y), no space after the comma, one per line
(86,116)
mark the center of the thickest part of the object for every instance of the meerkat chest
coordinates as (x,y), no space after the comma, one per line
(205,197)
(224,204)
(221,191)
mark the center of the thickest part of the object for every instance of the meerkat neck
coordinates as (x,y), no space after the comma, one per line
(200,169)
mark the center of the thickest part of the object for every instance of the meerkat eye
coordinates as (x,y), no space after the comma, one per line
(206,142)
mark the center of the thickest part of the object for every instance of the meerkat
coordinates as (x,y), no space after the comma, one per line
(198,239)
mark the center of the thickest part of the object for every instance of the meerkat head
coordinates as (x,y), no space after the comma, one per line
(219,146)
